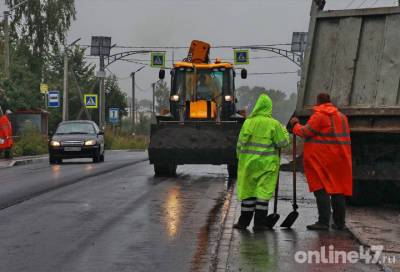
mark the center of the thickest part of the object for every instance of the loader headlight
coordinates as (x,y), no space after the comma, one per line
(175,98)
(55,143)
(2,141)
(90,142)
(228,98)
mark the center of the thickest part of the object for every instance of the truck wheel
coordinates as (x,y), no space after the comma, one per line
(7,154)
(232,170)
(367,193)
(165,169)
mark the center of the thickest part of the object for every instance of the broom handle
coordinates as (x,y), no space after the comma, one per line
(294,173)
(277,186)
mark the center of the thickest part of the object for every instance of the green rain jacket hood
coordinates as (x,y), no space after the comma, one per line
(259,141)
(263,107)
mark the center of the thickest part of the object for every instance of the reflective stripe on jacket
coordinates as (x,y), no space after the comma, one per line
(327,150)
(257,149)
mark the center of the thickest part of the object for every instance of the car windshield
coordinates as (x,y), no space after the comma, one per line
(202,84)
(76,128)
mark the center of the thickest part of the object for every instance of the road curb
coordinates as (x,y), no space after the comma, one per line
(29,161)
(25,161)
(220,262)
(363,242)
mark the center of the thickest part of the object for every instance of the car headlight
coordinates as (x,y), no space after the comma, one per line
(2,141)
(228,98)
(90,142)
(175,98)
(55,143)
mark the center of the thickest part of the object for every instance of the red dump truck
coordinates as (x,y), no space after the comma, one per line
(355,56)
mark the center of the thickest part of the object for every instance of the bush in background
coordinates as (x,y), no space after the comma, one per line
(115,139)
(30,143)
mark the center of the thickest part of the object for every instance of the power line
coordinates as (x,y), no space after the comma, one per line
(373,4)
(351,3)
(363,2)
(186,47)
(271,73)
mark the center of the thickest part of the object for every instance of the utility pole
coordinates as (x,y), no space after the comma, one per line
(65,110)
(133,101)
(133,97)
(102,96)
(154,101)
(6,44)
(65,113)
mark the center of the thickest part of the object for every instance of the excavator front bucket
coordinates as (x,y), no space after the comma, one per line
(198,142)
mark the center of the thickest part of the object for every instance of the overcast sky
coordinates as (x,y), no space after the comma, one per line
(219,22)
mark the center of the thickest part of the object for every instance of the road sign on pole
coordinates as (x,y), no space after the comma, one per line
(241,56)
(113,115)
(44,88)
(299,42)
(54,99)
(157,60)
(91,101)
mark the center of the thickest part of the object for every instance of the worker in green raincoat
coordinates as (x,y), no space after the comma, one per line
(258,147)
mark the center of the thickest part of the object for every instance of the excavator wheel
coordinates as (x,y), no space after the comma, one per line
(165,169)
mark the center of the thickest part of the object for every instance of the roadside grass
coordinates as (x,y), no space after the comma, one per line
(30,143)
(117,140)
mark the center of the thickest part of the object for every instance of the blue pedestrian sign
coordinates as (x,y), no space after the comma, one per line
(241,56)
(53,99)
(157,60)
(91,101)
(113,115)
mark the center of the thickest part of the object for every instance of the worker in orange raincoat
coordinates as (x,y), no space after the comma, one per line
(6,140)
(327,161)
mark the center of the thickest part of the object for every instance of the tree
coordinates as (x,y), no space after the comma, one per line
(82,80)
(283,106)
(145,105)
(38,29)
(162,96)
(42,24)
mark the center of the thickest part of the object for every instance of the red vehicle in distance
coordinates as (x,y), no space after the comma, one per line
(6,139)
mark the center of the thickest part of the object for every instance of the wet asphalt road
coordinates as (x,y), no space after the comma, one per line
(121,220)
(116,216)
(275,250)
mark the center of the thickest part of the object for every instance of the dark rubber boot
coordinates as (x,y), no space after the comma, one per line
(318,226)
(260,216)
(339,212)
(324,207)
(246,214)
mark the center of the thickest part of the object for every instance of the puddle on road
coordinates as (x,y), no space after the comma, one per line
(173,210)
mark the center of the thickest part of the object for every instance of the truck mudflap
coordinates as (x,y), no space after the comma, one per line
(194,142)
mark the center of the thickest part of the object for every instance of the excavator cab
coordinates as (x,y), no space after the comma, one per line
(202,124)
(202,94)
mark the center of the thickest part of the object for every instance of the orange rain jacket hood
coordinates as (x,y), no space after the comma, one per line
(327,150)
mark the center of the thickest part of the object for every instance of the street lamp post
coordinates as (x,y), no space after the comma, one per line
(133,97)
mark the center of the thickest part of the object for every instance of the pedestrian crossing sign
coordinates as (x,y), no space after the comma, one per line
(157,60)
(91,101)
(241,56)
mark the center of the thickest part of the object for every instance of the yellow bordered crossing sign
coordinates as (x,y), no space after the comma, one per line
(91,101)
(241,56)
(157,59)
